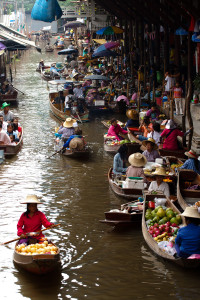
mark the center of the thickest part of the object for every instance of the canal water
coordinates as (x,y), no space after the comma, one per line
(97,262)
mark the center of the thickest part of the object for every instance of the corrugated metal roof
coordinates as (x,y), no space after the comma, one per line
(13,31)
(16,39)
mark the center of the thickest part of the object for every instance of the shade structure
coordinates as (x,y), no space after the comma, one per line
(181,31)
(2,46)
(97,77)
(106,53)
(67,51)
(74,24)
(110,30)
(107,46)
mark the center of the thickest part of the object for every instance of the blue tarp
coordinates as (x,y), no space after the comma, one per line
(46,10)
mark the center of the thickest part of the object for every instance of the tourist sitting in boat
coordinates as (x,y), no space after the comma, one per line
(155,133)
(11,131)
(153,113)
(137,161)
(187,241)
(4,124)
(67,129)
(78,90)
(146,127)
(133,119)
(151,152)
(192,163)
(4,89)
(6,113)
(77,134)
(4,138)
(60,99)
(170,133)
(31,221)
(12,139)
(158,184)
(115,129)
(16,125)
(119,161)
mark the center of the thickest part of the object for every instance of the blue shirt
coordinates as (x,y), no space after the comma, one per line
(188,239)
(118,165)
(189,164)
(66,145)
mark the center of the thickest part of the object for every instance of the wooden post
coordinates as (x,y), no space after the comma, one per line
(157,40)
(183,118)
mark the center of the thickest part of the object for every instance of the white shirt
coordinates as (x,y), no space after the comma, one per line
(169,83)
(163,187)
(154,135)
(66,102)
(78,92)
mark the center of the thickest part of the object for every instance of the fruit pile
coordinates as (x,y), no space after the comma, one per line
(34,249)
(174,166)
(112,142)
(162,222)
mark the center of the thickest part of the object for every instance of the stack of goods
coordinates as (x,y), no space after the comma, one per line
(34,249)
(174,166)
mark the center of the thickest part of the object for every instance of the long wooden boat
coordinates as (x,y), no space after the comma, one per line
(10,98)
(132,148)
(131,194)
(187,197)
(183,262)
(58,112)
(48,76)
(11,150)
(77,153)
(120,218)
(178,153)
(50,49)
(37,264)
(59,47)
(43,68)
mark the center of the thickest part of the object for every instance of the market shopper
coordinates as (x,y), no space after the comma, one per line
(119,161)
(179,101)
(145,128)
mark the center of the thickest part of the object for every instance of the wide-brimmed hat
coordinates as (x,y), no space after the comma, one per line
(160,171)
(191,212)
(191,154)
(152,141)
(41,60)
(137,160)
(170,125)
(31,199)
(75,74)
(5,104)
(69,123)
(132,114)
(76,144)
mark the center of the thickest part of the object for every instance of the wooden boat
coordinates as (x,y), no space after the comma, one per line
(47,76)
(49,49)
(124,193)
(37,264)
(186,196)
(170,160)
(11,98)
(119,218)
(179,153)
(58,112)
(43,68)
(11,150)
(186,263)
(59,47)
(82,154)
(132,148)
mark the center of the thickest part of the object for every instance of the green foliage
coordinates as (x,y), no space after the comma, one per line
(196,81)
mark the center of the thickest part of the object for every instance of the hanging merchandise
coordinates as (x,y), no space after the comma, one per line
(46,10)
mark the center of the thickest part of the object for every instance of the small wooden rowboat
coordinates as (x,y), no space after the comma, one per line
(132,148)
(57,110)
(39,263)
(187,197)
(131,194)
(119,218)
(82,154)
(183,262)
(47,76)
(43,68)
(10,98)
(11,150)
(49,49)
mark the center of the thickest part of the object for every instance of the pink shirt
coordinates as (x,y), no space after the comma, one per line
(114,131)
(4,138)
(32,224)
(170,142)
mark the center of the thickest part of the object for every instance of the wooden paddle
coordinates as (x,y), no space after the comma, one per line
(55,153)
(79,118)
(17,90)
(29,233)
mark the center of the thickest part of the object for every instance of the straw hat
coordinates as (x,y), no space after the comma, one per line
(132,114)
(75,74)
(31,199)
(191,212)
(5,104)
(150,140)
(170,125)
(137,160)
(68,123)
(160,171)
(41,60)
(76,144)
(191,154)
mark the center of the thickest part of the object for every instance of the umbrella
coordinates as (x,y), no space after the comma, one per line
(74,24)
(181,31)
(110,30)
(2,46)
(122,97)
(107,46)
(67,51)
(106,53)
(96,77)
(195,38)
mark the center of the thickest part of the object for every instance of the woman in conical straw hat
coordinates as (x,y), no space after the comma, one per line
(192,163)
(188,238)
(137,161)
(67,128)
(158,184)
(31,221)
(151,152)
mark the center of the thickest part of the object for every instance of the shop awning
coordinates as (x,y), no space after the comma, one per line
(100,41)
(12,31)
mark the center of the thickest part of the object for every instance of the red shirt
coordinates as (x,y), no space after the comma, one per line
(170,142)
(178,93)
(19,129)
(32,224)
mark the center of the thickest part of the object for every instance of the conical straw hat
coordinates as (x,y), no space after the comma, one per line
(137,160)
(31,199)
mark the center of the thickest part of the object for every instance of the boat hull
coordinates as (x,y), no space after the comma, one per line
(11,150)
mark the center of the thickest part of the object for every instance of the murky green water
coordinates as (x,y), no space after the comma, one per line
(97,263)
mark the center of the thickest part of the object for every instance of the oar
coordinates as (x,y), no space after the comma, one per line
(55,153)
(79,118)
(30,233)
(17,90)
(74,118)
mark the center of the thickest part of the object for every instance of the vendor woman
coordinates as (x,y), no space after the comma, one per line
(119,162)
(158,184)
(187,241)
(151,152)
(115,129)
(31,221)
(192,163)
(137,161)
